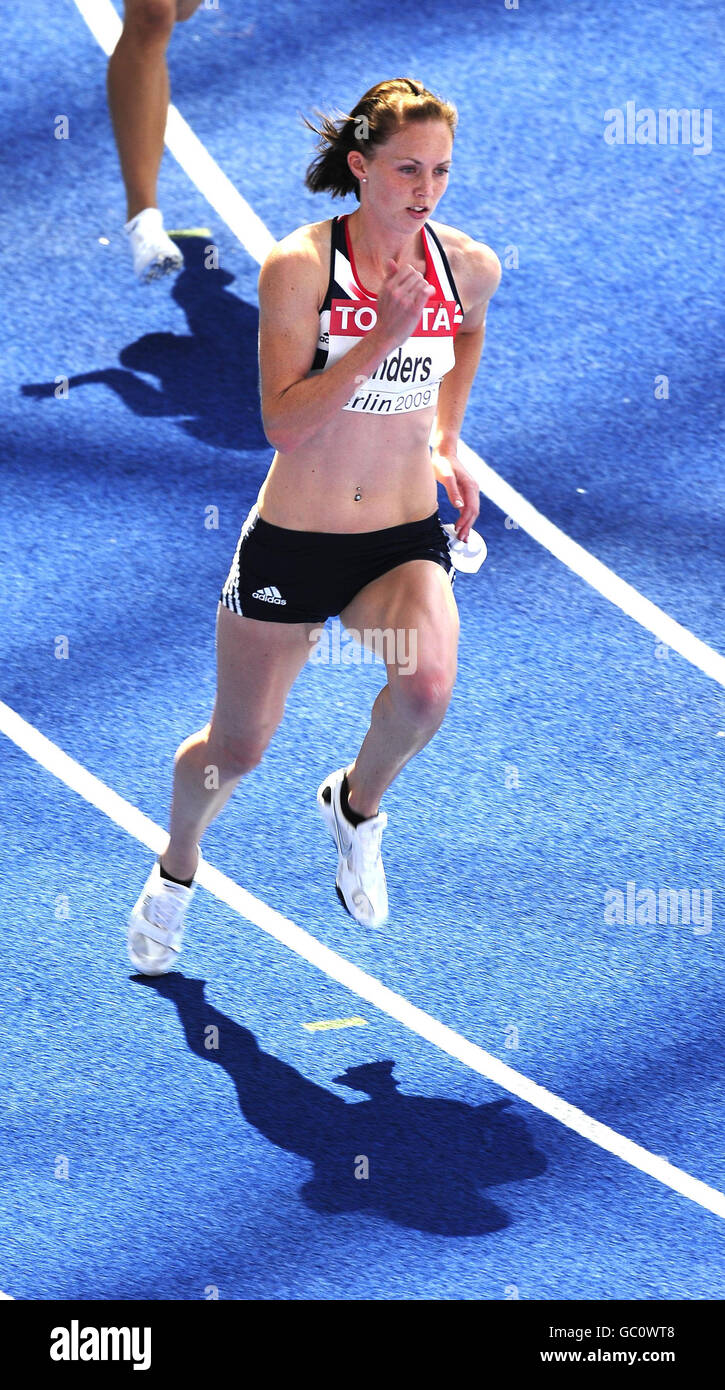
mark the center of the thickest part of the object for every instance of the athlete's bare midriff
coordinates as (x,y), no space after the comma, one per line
(386,460)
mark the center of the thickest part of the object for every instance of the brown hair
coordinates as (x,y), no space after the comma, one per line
(378,115)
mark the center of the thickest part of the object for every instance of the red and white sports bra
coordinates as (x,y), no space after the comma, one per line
(408,378)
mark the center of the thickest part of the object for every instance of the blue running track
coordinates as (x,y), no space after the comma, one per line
(580,754)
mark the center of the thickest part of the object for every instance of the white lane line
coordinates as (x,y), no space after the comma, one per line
(365,986)
(598,575)
(103,22)
(218,190)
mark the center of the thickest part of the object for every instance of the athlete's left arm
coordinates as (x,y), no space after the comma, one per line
(481,279)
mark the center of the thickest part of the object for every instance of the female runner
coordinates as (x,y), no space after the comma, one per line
(363,399)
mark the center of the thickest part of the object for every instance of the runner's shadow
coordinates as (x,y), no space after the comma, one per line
(208,379)
(417,1161)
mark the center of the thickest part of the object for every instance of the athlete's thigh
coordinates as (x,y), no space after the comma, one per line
(257,664)
(415,603)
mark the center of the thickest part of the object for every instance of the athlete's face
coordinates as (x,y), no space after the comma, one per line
(409,173)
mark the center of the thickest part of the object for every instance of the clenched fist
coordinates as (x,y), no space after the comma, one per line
(401,301)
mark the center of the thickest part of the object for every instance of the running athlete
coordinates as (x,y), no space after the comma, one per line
(138,99)
(359,376)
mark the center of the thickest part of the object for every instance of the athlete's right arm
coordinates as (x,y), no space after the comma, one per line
(295,406)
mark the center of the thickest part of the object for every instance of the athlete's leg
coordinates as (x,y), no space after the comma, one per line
(413,605)
(257,664)
(138,93)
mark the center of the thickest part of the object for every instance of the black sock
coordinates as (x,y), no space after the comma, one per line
(353,816)
(185,882)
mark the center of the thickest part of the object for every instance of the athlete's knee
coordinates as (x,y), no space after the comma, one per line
(425,693)
(150,20)
(238,753)
(243,752)
(186,8)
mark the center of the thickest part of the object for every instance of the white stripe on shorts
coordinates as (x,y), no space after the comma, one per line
(230,592)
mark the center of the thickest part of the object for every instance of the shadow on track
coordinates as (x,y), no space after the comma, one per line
(208,379)
(427,1158)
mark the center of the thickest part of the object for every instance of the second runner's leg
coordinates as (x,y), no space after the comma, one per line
(138,100)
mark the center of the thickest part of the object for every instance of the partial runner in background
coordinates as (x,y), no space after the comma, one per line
(138,100)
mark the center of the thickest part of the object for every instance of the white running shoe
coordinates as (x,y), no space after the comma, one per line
(156,925)
(154,253)
(360,882)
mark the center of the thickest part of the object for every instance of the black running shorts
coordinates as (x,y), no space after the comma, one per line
(284,576)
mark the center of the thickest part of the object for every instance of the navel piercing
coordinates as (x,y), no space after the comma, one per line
(358,494)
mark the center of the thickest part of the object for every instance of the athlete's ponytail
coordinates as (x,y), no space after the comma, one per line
(377,116)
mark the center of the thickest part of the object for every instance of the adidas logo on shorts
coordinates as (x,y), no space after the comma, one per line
(269,595)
